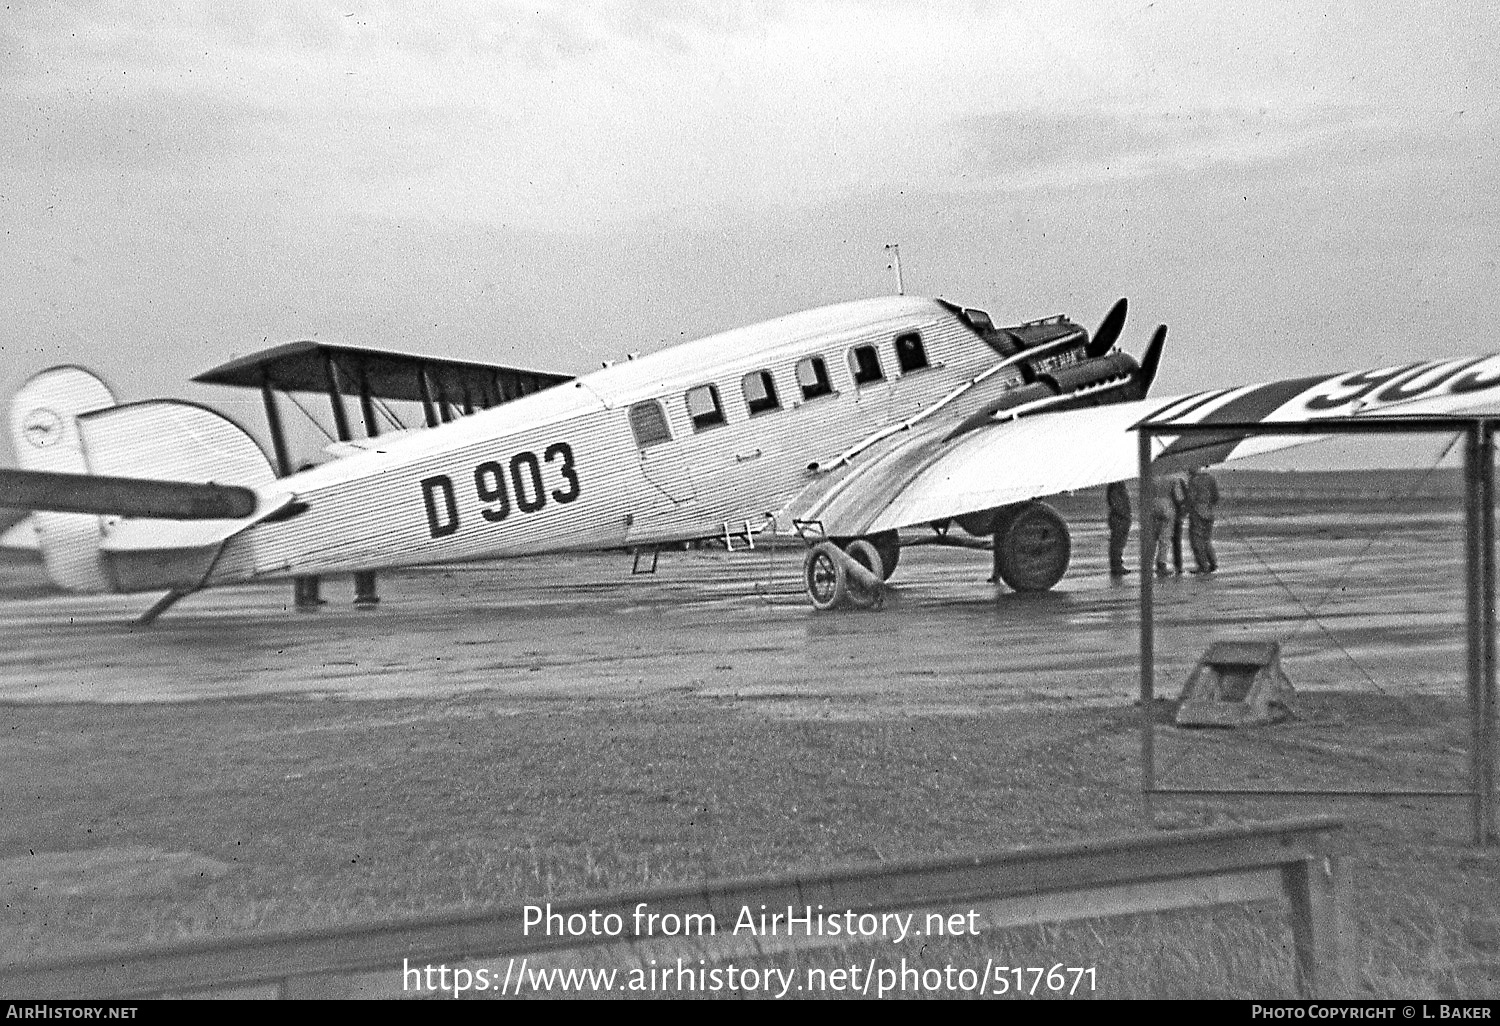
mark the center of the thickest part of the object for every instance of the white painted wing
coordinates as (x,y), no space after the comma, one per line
(929,477)
(1024,459)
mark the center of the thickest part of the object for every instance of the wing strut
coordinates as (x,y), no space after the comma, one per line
(161,605)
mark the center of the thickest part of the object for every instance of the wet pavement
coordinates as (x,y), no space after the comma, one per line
(1361,601)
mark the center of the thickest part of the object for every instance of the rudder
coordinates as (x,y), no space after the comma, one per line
(45,435)
(67,425)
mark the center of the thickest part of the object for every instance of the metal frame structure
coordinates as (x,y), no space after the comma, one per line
(1479,540)
(446,388)
(367,374)
(1294,862)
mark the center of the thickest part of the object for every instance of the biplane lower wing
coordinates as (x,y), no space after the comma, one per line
(934,475)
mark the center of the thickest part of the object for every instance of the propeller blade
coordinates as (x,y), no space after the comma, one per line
(1151,359)
(1109,331)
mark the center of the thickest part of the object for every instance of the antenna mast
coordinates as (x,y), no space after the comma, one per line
(894,248)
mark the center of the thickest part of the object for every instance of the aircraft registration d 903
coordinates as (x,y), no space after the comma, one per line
(845,425)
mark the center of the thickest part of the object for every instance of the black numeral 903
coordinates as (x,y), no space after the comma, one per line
(501,488)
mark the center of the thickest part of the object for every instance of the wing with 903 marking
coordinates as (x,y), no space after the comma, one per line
(936,472)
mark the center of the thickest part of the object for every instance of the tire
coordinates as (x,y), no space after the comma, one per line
(868,556)
(824,577)
(1032,547)
(888,544)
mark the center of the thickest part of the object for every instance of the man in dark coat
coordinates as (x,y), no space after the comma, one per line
(1203,502)
(1164,521)
(1117,497)
(1178,490)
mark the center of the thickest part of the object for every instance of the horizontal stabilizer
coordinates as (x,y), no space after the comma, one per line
(124,496)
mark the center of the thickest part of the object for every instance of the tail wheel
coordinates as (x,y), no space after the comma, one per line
(1032,547)
(868,556)
(824,576)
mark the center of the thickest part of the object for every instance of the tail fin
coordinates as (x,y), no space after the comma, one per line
(64,421)
(44,433)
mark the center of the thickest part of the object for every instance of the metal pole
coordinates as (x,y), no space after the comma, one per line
(273,421)
(367,404)
(1148,638)
(336,399)
(1473,604)
(429,411)
(1485,823)
(895,249)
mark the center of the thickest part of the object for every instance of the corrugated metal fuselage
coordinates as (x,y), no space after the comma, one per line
(564,470)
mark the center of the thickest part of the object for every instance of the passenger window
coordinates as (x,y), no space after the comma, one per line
(812,375)
(704,408)
(649,424)
(911,354)
(760,392)
(864,364)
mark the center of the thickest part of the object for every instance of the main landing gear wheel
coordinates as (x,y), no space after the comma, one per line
(867,556)
(833,576)
(888,544)
(824,576)
(1032,547)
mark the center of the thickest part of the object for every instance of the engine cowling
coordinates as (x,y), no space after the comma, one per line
(1100,370)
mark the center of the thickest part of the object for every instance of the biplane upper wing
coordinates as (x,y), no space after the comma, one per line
(945,470)
(309,366)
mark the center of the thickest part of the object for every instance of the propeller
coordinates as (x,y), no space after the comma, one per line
(1151,359)
(1109,331)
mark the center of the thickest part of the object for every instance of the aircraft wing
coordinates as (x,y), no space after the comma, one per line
(943,471)
(317,367)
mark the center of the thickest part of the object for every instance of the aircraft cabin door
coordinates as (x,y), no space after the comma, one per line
(670,493)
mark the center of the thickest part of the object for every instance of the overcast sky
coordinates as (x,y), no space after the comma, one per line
(1291,187)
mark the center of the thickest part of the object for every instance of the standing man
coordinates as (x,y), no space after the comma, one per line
(1203,501)
(1163,521)
(1180,515)
(1117,498)
(306,588)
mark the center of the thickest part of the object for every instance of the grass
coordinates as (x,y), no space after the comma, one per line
(328,811)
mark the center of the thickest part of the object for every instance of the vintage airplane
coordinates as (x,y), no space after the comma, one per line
(846,425)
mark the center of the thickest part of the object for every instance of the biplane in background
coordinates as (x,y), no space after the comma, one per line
(858,427)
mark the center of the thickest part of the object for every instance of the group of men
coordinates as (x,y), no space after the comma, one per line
(1192,499)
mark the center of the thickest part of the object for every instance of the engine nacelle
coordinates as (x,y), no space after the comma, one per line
(1114,366)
